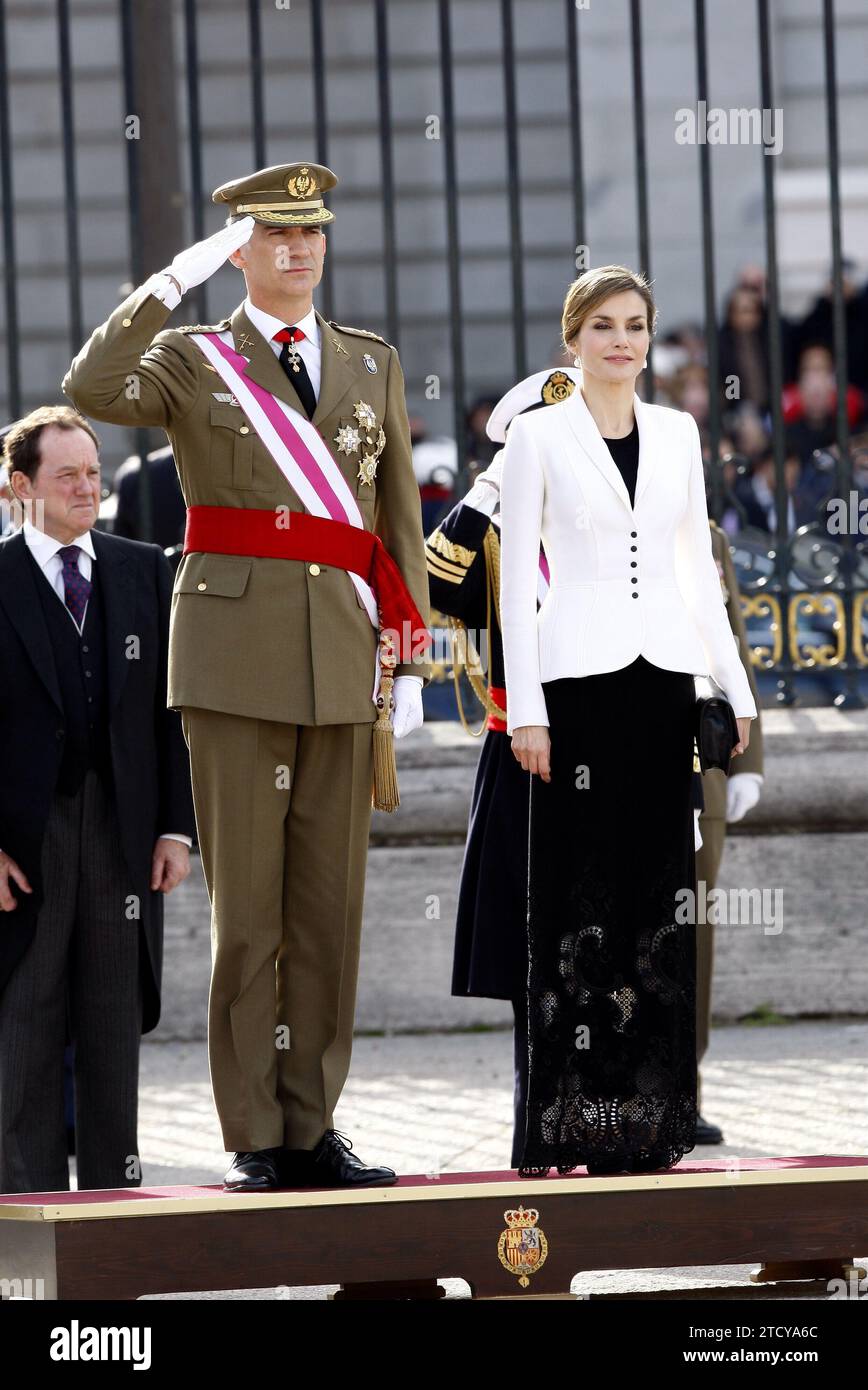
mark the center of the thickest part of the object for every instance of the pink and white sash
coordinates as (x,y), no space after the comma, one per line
(298,449)
(543,578)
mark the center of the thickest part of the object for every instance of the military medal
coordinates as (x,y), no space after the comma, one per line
(347,439)
(367,469)
(351,438)
(369,363)
(294,356)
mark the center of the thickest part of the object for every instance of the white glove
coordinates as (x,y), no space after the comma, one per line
(484,496)
(742,793)
(407,714)
(697,833)
(199,262)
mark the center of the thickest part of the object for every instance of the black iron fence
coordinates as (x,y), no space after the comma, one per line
(805,589)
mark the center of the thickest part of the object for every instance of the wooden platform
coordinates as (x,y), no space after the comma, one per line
(799,1217)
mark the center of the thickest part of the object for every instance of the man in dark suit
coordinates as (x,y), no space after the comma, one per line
(95,812)
(168,513)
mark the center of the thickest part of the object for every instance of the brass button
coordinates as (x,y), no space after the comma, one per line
(314,569)
(203,585)
(244,430)
(127,322)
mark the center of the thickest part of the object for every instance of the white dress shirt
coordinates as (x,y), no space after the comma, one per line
(309,349)
(44,549)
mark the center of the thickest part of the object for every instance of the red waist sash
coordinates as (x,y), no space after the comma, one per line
(243,531)
(498,694)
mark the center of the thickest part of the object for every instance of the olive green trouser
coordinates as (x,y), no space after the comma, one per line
(283,813)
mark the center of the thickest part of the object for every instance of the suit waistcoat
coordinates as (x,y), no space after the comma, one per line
(80,660)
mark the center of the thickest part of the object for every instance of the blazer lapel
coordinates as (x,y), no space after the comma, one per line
(337,371)
(118,584)
(19,597)
(646,420)
(584,428)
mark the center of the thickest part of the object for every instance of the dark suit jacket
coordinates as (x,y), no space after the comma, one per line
(168,513)
(149,757)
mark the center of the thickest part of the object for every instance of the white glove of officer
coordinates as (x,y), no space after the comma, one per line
(742,794)
(407,714)
(484,496)
(199,262)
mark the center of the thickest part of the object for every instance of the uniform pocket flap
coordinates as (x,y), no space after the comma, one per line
(229,416)
(223,575)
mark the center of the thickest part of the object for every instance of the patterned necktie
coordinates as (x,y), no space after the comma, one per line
(293,364)
(76,589)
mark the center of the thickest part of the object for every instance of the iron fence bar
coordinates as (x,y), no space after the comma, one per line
(452,240)
(513,183)
(708,271)
(128,41)
(849,697)
(321,129)
(194,128)
(10,260)
(387,173)
(70,178)
(257,102)
(641,168)
(573,97)
(782,547)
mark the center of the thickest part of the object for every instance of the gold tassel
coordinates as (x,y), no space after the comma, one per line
(385,790)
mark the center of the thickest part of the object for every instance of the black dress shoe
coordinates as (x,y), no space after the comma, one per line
(332,1164)
(256,1171)
(601,1167)
(707,1133)
(650,1163)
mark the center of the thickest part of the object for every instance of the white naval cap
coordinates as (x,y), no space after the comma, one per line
(542,388)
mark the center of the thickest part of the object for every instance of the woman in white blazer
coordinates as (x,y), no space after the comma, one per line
(600,701)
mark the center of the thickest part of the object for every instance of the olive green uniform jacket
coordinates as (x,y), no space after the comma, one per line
(266,638)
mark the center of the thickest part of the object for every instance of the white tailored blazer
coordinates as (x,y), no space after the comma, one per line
(624,581)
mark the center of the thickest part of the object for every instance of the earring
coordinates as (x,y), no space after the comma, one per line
(577,361)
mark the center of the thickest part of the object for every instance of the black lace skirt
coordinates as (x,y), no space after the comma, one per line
(611,960)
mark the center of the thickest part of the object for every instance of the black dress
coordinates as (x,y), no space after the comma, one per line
(611,1009)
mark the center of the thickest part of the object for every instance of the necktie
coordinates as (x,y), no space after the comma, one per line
(76,589)
(293,364)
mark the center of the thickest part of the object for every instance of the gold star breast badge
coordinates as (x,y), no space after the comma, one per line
(348,439)
(365,415)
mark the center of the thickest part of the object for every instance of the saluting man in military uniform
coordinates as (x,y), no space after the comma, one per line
(302,588)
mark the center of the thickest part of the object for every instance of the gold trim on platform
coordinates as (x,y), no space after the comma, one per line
(522,1188)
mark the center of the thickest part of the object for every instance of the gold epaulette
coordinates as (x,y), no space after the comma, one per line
(204,327)
(362,332)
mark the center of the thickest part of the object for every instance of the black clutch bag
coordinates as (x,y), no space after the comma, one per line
(716,732)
